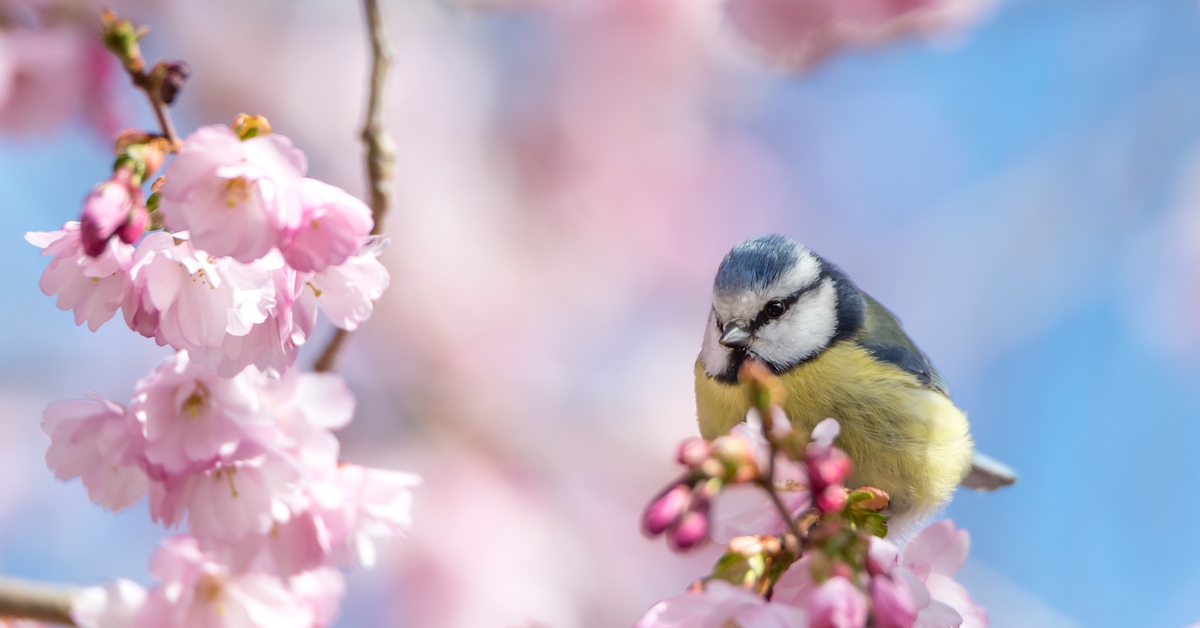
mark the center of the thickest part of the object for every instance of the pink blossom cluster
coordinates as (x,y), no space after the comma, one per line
(251,250)
(249,466)
(912,588)
(840,573)
(228,441)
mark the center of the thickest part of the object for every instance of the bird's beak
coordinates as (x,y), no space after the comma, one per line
(736,336)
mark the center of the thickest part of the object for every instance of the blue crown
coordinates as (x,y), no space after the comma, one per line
(756,263)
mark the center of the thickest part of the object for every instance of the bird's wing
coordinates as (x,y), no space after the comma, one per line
(988,474)
(884,337)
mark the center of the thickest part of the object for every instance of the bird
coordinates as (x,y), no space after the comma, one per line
(838,353)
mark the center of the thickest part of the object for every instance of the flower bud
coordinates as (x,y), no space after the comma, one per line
(690,531)
(737,455)
(837,604)
(893,603)
(832,499)
(174,75)
(827,468)
(106,208)
(154,153)
(664,511)
(842,570)
(762,385)
(247,126)
(878,500)
(692,452)
(121,38)
(129,137)
(132,230)
(747,545)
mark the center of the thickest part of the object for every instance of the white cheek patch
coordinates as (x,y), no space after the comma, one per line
(713,356)
(806,328)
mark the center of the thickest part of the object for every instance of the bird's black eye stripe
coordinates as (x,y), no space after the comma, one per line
(772,309)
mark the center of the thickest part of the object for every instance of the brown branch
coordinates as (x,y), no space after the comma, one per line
(380,153)
(142,81)
(31,600)
(160,85)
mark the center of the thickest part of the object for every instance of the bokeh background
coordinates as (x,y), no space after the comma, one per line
(1023,190)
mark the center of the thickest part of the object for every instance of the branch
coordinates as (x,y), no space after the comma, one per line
(144,82)
(768,484)
(31,600)
(380,153)
(160,85)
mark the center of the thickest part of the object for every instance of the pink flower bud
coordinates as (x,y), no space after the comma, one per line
(693,452)
(106,208)
(837,604)
(827,468)
(664,511)
(689,532)
(832,499)
(132,231)
(841,570)
(893,603)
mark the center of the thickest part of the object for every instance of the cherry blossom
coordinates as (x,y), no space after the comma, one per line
(935,555)
(332,227)
(273,343)
(91,286)
(360,504)
(722,604)
(188,299)
(191,416)
(236,197)
(194,591)
(745,509)
(347,293)
(91,439)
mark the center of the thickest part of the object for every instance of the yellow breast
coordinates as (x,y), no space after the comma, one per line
(903,438)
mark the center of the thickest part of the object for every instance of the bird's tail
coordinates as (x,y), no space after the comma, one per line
(988,474)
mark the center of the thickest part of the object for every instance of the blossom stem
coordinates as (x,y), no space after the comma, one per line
(31,600)
(768,484)
(141,79)
(380,152)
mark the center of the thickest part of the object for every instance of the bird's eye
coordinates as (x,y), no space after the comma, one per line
(775,309)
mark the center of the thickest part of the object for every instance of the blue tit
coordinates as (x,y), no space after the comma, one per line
(839,353)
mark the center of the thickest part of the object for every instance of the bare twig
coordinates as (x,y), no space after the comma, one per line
(143,82)
(31,600)
(380,153)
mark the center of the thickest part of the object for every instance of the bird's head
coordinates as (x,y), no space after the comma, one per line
(777,301)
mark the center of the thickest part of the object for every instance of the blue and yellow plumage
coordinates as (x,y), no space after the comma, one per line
(839,353)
